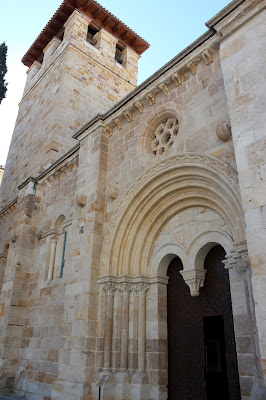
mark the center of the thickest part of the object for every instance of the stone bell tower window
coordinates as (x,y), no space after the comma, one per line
(164,136)
(92,30)
(118,53)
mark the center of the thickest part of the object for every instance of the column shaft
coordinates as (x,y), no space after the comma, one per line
(52,259)
(108,330)
(141,332)
(124,332)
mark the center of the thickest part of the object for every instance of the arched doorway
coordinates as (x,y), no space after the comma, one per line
(202,362)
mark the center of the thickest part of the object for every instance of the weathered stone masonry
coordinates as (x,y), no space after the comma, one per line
(92,215)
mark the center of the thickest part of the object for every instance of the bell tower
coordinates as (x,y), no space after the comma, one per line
(83,62)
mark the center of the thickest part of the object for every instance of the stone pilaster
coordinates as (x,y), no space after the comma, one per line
(246,335)
(242,56)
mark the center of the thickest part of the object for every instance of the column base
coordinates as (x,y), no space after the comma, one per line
(141,389)
(122,388)
(107,389)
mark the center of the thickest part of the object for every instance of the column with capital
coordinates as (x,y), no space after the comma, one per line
(141,289)
(140,382)
(250,370)
(109,289)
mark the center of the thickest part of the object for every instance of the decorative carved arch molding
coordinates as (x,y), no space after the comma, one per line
(172,185)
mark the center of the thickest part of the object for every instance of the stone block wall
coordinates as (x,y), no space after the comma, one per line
(58,335)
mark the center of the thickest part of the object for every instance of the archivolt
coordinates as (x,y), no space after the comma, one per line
(169,187)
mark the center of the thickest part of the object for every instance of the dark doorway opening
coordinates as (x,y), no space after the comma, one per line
(215,362)
(197,325)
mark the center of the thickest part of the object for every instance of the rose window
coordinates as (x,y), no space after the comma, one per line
(164,136)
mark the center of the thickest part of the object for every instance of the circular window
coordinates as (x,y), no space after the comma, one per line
(164,136)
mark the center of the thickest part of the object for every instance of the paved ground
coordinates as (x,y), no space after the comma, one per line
(10,397)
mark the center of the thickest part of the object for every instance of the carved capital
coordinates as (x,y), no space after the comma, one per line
(125,288)
(54,238)
(141,289)
(109,288)
(238,259)
(194,278)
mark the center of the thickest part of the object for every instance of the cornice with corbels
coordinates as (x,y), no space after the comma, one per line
(59,172)
(9,209)
(164,84)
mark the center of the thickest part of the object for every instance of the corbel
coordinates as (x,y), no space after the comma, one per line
(64,170)
(164,88)
(139,106)
(109,130)
(177,78)
(193,68)
(129,115)
(151,97)
(118,123)
(207,56)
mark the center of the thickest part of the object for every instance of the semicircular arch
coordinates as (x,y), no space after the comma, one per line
(169,187)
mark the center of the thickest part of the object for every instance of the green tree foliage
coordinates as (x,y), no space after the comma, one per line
(3,71)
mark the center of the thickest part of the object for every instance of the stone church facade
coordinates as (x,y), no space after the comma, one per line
(133,218)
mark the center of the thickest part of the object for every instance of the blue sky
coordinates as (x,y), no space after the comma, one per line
(169,26)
